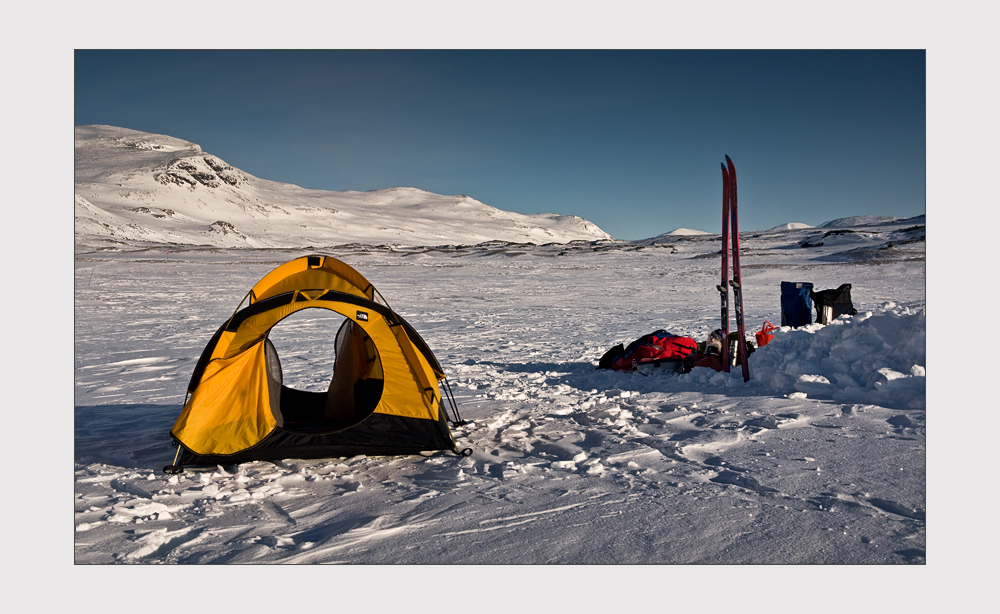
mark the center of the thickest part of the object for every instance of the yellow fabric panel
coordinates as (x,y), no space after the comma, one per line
(402,397)
(230,409)
(404,393)
(297,274)
(421,369)
(376,370)
(222,345)
(255,327)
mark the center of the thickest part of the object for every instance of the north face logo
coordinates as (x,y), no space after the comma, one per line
(363,316)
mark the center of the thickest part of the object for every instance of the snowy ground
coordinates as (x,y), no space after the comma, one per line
(821,458)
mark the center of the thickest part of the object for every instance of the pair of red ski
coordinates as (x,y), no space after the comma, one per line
(730,217)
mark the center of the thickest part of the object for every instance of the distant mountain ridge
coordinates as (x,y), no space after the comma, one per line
(857,221)
(791,226)
(864,220)
(684,232)
(133,186)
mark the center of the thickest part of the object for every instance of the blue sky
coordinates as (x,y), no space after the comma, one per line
(631,140)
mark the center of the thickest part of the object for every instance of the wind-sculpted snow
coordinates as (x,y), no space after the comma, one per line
(820,458)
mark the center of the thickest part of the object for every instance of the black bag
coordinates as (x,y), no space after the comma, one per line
(609,357)
(831,304)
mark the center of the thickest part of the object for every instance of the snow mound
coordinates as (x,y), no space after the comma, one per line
(873,358)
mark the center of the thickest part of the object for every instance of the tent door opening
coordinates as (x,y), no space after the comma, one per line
(354,389)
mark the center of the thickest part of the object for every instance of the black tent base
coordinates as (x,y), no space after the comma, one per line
(195,461)
(378,435)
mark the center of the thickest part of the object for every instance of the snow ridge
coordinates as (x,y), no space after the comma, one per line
(135,186)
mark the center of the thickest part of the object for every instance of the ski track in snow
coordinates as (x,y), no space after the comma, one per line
(569,464)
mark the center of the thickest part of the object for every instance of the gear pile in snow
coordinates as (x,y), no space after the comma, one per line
(655,349)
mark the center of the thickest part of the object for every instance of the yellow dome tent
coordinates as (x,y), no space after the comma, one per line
(384,396)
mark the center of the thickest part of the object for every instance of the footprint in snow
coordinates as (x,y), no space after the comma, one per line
(772,422)
(160,542)
(896,508)
(743,481)
(901,422)
(913,555)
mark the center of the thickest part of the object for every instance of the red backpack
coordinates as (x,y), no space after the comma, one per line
(653,348)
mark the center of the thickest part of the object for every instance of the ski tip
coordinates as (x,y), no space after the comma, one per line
(728,160)
(723,167)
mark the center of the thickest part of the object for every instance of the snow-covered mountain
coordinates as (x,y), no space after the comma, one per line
(791,226)
(135,186)
(858,220)
(684,232)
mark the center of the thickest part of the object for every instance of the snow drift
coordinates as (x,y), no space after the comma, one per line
(876,357)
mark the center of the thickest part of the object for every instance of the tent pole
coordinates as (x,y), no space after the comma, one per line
(454,406)
(235,311)
(174,468)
